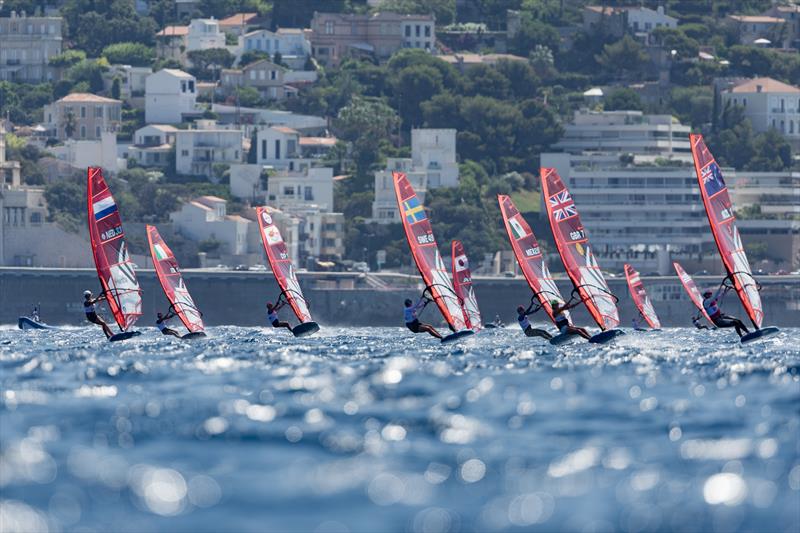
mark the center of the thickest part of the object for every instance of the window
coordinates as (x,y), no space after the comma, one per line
(408,31)
(184,153)
(309,194)
(183,86)
(97,132)
(791,126)
(83,132)
(277,149)
(329,27)
(427,31)
(288,190)
(273,74)
(263,149)
(83,111)
(253,74)
(783,105)
(191,86)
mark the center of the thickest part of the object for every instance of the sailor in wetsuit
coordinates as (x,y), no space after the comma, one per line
(161,324)
(272,315)
(412,322)
(91,312)
(525,324)
(697,323)
(636,323)
(711,305)
(35,313)
(562,320)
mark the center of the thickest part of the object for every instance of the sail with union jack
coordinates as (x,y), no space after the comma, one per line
(562,206)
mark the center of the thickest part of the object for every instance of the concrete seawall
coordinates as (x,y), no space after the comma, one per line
(238,298)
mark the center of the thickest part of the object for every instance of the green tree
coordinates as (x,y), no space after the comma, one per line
(116,89)
(773,153)
(533,33)
(522,79)
(486,81)
(623,99)
(249,97)
(443,10)
(251,56)
(413,86)
(67,58)
(692,105)
(366,124)
(624,57)
(92,25)
(207,64)
(135,54)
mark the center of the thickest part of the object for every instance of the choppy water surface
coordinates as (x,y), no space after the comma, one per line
(376,429)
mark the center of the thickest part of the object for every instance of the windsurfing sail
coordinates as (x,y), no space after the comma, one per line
(169,275)
(529,255)
(426,254)
(462,284)
(281,264)
(110,251)
(640,298)
(719,209)
(691,289)
(576,254)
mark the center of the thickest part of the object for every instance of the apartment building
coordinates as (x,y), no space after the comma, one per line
(26,46)
(432,165)
(754,29)
(170,97)
(152,145)
(198,150)
(265,76)
(204,34)
(291,43)
(206,219)
(82,116)
(335,36)
(617,20)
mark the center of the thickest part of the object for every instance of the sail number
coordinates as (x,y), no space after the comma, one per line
(530,252)
(725,213)
(111,233)
(425,239)
(576,235)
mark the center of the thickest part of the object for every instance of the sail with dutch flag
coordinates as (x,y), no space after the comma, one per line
(110,252)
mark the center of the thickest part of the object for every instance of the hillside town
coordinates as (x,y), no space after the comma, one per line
(200,111)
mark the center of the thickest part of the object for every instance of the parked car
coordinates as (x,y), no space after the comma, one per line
(241,267)
(259,268)
(360,266)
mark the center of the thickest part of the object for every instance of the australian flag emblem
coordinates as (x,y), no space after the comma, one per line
(712,179)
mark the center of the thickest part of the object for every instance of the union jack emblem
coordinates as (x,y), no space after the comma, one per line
(562,206)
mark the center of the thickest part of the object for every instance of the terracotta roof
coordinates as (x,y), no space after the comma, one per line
(609,10)
(201,206)
(87,97)
(238,18)
(768,85)
(285,129)
(318,141)
(173,31)
(757,19)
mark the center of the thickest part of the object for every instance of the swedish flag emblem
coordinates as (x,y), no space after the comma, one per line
(413,210)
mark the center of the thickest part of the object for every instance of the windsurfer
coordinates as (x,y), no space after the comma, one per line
(272,315)
(413,323)
(636,323)
(525,324)
(91,312)
(35,313)
(161,323)
(562,321)
(721,320)
(697,323)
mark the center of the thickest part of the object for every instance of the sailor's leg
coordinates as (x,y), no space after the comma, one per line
(431,330)
(580,331)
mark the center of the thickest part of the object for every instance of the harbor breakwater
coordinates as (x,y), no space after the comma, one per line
(229,297)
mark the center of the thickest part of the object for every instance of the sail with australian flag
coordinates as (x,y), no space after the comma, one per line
(422,243)
(171,280)
(284,272)
(722,220)
(462,283)
(576,254)
(110,252)
(529,256)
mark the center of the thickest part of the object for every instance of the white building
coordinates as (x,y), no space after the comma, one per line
(206,219)
(152,145)
(131,80)
(265,76)
(432,165)
(198,150)
(284,148)
(768,104)
(642,21)
(170,95)
(252,116)
(26,46)
(83,153)
(626,132)
(636,207)
(204,34)
(616,21)
(291,43)
(754,27)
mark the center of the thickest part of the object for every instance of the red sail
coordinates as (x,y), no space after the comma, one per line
(691,289)
(169,275)
(640,298)
(719,209)
(577,256)
(281,264)
(529,255)
(110,252)
(426,254)
(462,283)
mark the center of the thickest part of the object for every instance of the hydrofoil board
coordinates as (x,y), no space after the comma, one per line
(760,334)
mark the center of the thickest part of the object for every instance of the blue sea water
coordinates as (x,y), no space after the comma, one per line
(375,429)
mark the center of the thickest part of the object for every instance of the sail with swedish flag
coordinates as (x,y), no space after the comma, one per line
(426,255)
